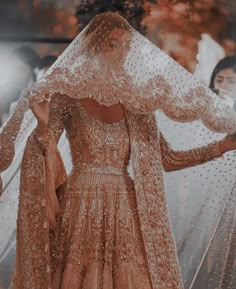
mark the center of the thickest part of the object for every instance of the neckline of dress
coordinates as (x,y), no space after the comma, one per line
(88,115)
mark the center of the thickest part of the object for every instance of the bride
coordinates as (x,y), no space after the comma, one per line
(96,227)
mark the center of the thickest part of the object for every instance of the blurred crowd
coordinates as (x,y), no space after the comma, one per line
(23,66)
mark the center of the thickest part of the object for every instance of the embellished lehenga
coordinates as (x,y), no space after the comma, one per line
(96,227)
(102,241)
(97,242)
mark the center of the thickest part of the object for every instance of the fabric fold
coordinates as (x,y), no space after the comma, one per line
(38,206)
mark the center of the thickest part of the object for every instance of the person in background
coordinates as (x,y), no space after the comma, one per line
(25,60)
(206,62)
(33,67)
(223,79)
(30,59)
(44,64)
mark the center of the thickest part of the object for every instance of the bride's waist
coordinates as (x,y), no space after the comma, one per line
(95,174)
(103,169)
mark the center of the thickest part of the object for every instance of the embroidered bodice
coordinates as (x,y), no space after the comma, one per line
(95,146)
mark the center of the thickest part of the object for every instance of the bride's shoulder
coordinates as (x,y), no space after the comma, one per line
(61,104)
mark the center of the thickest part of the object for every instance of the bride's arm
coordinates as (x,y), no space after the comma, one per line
(175,160)
(43,141)
(51,121)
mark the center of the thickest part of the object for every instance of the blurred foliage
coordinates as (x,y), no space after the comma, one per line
(132,11)
(174,25)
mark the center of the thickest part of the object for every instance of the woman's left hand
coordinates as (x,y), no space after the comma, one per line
(228,143)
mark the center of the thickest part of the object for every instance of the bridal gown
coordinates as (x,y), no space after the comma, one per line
(102,243)
(100,230)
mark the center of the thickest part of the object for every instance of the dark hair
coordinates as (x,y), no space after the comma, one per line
(46,61)
(29,56)
(106,22)
(227,62)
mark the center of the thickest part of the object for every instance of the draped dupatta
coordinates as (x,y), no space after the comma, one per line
(41,191)
(151,200)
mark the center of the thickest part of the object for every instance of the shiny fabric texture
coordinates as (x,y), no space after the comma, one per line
(121,219)
(111,231)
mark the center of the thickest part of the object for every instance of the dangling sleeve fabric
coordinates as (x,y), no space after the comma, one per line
(8,134)
(175,160)
(42,175)
(54,168)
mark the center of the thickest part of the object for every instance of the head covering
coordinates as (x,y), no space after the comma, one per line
(112,63)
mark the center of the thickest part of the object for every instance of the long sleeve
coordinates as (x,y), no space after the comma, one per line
(176,160)
(57,117)
(55,174)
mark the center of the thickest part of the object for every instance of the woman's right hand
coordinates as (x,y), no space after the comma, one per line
(40,108)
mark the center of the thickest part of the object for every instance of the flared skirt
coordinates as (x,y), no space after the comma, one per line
(101,239)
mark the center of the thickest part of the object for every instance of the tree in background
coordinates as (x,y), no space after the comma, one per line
(174,25)
(132,11)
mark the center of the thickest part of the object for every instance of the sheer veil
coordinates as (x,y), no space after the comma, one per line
(144,79)
(202,203)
